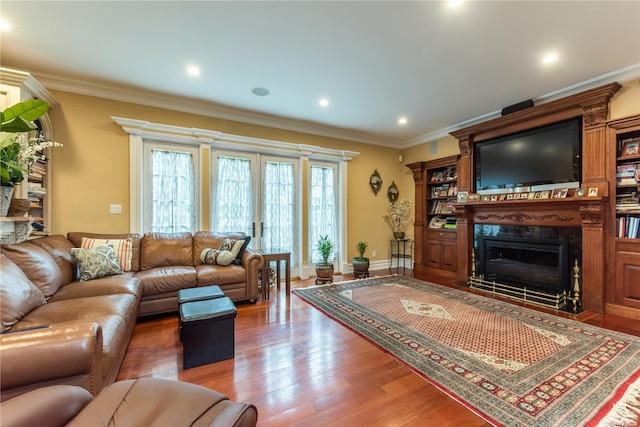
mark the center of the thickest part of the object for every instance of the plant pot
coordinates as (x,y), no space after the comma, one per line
(361,267)
(6,192)
(18,207)
(399,235)
(324,273)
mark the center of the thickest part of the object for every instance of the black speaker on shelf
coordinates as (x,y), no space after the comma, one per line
(517,107)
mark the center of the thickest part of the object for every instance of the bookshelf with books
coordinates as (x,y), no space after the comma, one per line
(435,223)
(624,136)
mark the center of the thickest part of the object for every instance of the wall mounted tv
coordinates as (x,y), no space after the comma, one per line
(543,157)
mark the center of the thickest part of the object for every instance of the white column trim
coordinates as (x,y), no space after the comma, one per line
(135,183)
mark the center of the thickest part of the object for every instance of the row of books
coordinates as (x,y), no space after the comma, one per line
(628,173)
(627,201)
(442,206)
(448,174)
(628,226)
(444,190)
(446,222)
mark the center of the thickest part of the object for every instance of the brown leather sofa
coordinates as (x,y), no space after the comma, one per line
(167,262)
(57,329)
(145,402)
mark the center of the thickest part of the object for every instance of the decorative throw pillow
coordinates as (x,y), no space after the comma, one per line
(122,247)
(96,262)
(216,257)
(18,295)
(237,247)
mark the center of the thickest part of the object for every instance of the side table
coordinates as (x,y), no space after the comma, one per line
(276,255)
(401,250)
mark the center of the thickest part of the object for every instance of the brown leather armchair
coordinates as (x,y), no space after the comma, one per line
(145,402)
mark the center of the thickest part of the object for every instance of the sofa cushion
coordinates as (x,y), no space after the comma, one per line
(38,265)
(97,262)
(166,249)
(108,285)
(220,275)
(217,257)
(166,279)
(76,238)
(122,247)
(58,247)
(18,296)
(210,239)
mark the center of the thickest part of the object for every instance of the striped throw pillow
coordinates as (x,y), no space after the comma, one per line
(122,247)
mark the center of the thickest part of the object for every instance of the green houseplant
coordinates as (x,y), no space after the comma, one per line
(324,269)
(17,150)
(360,263)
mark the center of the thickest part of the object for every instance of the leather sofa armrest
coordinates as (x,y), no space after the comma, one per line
(45,407)
(252,261)
(49,355)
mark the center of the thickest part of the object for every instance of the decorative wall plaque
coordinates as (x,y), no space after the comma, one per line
(393,192)
(375,182)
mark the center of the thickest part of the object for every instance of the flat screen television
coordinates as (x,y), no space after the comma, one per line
(548,154)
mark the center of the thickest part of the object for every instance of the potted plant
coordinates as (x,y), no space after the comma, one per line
(360,263)
(324,269)
(17,150)
(398,217)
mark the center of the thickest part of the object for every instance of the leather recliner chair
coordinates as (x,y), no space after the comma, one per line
(144,402)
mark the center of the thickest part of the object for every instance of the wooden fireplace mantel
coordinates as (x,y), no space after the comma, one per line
(589,213)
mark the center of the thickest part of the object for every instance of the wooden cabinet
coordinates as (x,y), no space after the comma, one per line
(624,145)
(435,222)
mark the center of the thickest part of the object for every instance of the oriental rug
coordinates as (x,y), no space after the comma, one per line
(511,365)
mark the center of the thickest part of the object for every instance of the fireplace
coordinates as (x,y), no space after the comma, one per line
(537,265)
(526,262)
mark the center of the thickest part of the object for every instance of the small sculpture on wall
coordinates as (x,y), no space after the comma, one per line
(375,182)
(393,192)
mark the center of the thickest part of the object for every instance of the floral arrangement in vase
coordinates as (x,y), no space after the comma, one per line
(397,217)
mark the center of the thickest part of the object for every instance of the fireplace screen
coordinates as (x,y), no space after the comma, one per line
(537,265)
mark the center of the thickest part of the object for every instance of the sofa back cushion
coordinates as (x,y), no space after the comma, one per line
(76,238)
(18,296)
(166,249)
(59,248)
(38,266)
(210,240)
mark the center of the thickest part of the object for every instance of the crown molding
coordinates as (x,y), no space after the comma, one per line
(25,81)
(203,108)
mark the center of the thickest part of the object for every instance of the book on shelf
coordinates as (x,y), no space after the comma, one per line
(628,226)
(627,174)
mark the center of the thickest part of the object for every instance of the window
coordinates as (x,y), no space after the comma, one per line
(170,175)
(322,207)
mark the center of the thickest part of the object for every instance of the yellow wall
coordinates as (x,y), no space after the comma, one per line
(91,170)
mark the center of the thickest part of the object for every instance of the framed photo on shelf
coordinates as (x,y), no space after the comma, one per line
(581,192)
(502,197)
(532,195)
(538,195)
(494,198)
(544,194)
(462,196)
(473,197)
(630,148)
(559,193)
(593,192)
(486,198)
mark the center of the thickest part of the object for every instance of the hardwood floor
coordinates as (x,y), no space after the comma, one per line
(300,368)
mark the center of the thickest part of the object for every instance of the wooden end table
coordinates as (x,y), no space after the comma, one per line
(277,255)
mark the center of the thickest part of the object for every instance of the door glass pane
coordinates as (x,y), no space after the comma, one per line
(173,192)
(322,209)
(234,195)
(278,206)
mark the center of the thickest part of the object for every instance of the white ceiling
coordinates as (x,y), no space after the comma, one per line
(440,67)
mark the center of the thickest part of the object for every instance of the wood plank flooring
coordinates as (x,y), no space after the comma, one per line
(300,368)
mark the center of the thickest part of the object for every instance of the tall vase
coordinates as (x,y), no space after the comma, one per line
(5,199)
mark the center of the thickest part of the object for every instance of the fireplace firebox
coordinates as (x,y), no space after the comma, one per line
(541,266)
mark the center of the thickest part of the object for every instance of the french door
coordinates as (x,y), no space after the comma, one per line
(256,194)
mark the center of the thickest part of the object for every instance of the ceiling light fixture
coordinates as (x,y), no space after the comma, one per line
(260,91)
(550,58)
(193,70)
(402,121)
(455,3)
(4,25)
(324,102)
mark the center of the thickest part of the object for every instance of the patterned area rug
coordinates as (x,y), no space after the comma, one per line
(510,365)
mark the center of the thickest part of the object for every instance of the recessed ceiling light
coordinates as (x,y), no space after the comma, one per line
(4,25)
(193,70)
(260,91)
(455,3)
(324,102)
(402,121)
(550,58)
